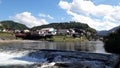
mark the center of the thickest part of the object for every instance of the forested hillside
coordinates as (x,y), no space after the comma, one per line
(8,24)
(12,25)
(66,25)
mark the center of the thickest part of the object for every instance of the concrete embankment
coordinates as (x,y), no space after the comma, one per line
(73,59)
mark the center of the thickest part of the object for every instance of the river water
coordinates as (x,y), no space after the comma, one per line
(15,53)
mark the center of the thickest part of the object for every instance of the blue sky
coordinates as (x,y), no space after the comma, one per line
(98,14)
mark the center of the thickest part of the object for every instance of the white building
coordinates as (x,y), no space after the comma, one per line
(47,31)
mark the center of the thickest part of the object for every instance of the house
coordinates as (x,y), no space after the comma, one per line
(5,30)
(17,31)
(47,31)
(26,31)
(71,31)
(62,31)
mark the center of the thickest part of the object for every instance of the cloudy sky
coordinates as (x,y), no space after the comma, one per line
(98,14)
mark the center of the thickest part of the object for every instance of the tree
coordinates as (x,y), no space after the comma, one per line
(112,42)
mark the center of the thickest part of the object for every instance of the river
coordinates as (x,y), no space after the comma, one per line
(15,53)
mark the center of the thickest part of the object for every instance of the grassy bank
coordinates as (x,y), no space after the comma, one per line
(7,36)
(65,39)
(61,38)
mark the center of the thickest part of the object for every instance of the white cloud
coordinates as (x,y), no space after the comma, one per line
(45,16)
(99,16)
(29,20)
(64,5)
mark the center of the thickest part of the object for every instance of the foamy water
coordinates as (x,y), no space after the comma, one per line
(17,58)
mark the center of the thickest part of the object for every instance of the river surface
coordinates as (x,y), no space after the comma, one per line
(15,53)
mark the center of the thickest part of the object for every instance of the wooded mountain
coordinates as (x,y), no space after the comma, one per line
(65,25)
(8,24)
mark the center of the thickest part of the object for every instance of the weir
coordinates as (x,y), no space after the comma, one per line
(75,59)
(57,55)
(51,58)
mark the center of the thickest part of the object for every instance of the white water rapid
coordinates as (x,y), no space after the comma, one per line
(17,58)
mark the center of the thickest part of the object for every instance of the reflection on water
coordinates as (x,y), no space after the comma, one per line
(90,46)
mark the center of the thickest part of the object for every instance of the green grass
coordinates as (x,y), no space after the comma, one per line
(7,36)
(66,39)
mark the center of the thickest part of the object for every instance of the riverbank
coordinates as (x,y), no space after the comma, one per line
(10,37)
(23,41)
(7,36)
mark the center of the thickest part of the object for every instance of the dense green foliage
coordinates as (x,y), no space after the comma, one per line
(66,25)
(112,42)
(12,25)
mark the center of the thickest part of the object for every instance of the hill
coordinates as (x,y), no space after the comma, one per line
(114,29)
(105,32)
(12,25)
(66,25)
(102,33)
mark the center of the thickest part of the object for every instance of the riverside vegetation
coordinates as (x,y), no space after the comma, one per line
(112,42)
